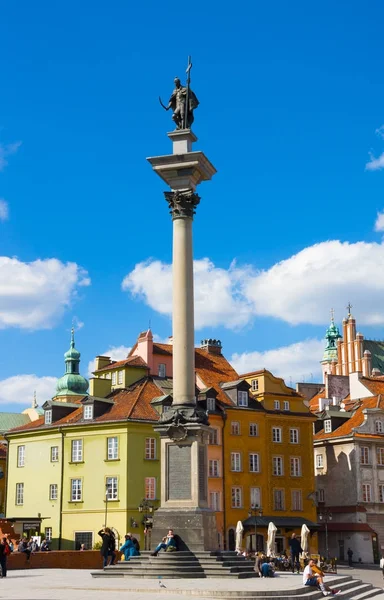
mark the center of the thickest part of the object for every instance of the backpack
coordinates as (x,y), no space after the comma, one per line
(135,542)
(7,550)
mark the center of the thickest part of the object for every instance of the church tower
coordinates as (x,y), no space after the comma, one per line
(330,353)
(72,383)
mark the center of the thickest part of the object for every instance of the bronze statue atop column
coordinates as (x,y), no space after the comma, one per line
(183,102)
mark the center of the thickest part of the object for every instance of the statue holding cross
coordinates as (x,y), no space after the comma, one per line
(183,102)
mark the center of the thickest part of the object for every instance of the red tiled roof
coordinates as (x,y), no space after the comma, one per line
(356,420)
(314,402)
(130,361)
(374,384)
(163,349)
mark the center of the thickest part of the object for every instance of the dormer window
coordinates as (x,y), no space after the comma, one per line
(286,405)
(276,404)
(255,385)
(242,398)
(379,426)
(327,426)
(48,417)
(166,407)
(88,411)
(162,370)
(211,404)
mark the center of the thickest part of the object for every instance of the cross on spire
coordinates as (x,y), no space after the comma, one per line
(349,307)
(332,311)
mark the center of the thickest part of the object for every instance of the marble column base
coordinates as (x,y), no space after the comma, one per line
(195,528)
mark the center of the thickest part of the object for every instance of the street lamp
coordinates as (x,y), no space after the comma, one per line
(106,502)
(254,511)
(325,516)
(146,507)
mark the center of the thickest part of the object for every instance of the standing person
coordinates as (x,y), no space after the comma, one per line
(382,564)
(107,546)
(4,552)
(350,554)
(296,548)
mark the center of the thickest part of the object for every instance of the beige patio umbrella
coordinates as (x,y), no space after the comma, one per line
(304,542)
(239,536)
(271,539)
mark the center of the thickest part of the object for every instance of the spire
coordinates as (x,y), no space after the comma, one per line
(34,401)
(349,307)
(332,334)
(72,383)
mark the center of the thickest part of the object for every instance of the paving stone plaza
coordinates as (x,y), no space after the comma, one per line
(63,584)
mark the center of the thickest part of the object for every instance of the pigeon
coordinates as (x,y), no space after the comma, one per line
(161,584)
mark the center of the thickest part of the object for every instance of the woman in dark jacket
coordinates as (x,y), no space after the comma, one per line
(108,545)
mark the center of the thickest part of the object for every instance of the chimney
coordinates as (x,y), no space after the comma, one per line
(376,372)
(211,346)
(335,401)
(101,362)
(144,347)
(367,363)
(321,404)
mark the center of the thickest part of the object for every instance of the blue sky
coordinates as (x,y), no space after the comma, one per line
(291,106)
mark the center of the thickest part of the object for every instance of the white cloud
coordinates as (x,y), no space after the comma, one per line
(375,164)
(380,131)
(293,363)
(35,295)
(5,151)
(4,211)
(300,289)
(114,352)
(219,299)
(20,389)
(379,224)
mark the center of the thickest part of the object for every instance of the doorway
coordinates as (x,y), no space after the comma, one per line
(341,549)
(231,539)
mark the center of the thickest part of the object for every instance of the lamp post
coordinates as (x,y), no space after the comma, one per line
(254,511)
(146,507)
(325,516)
(106,502)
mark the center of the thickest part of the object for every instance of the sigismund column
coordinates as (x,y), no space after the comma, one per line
(184,429)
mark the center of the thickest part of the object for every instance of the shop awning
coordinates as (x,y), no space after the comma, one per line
(289,522)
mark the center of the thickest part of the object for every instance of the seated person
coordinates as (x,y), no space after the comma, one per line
(266,568)
(129,548)
(168,544)
(314,577)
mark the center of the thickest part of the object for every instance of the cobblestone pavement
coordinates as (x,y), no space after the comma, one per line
(63,584)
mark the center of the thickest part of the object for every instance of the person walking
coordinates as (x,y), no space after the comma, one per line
(350,555)
(296,548)
(4,553)
(108,545)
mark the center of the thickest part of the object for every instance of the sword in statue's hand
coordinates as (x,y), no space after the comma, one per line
(163,105)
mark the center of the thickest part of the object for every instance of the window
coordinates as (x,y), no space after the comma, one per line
(111,488)
(255,497)
(211,404)
(381,493)
(54,453)
(214,470)
(150,448)
(19,494)
(253,429)
(53,491)
(237,500)
(48,417)
(213,439)
(380,456)
(235,428)
(162,370)
(364,455)
(294,436)
(321,495)
(150,488)
(214,501)
(242,398)
(276,434)
(286,405)
(366,492)
(278,499)
(276,404)
(120,376)
(20,456)
(88,411)
(48,534)
(166,407)
(277,462)
(83,537)
(255,385)
(254,464)
(327,426)
(319,461)
(76,490)
(114,378)
(297,500)
(113,448)
(235,461)
(77,451)
(379,426)
(295,463)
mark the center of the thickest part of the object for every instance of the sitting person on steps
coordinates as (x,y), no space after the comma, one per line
(168,544)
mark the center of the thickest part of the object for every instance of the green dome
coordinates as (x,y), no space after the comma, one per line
(72,383)
(331,335)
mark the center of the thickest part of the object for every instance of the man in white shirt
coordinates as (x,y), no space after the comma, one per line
(315,579)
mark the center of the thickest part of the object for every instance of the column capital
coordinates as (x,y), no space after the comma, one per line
(182,204)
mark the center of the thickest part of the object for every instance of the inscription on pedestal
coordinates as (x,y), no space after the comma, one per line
(179,472)
(202,474)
